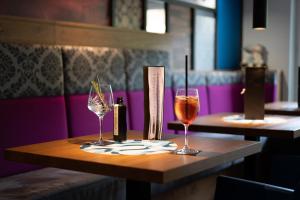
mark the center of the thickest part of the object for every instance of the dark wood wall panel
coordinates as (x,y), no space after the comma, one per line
(180,26)
(84,11)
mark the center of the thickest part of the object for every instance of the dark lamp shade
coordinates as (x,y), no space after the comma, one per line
(259,14)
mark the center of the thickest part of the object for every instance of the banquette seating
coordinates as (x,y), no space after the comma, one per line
(43,97)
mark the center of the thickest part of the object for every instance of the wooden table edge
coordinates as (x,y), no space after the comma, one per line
(153,176)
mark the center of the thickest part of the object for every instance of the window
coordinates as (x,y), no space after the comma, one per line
(155,16)
(204,39)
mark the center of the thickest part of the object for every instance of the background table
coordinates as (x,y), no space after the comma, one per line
(282,108)
(140,170)
(287,128)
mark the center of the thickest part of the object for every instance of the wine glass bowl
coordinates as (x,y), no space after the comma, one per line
(100,102)
(187,106)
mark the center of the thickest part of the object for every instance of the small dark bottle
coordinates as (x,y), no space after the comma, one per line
(120,123)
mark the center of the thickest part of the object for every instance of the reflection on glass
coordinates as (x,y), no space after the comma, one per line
(155,16)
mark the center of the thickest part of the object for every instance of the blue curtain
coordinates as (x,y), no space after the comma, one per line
(229,29)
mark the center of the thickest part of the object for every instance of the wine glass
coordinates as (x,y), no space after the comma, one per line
(100,102)
(186,110)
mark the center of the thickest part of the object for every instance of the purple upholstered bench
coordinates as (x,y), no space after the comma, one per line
(32,110)
(32,106)
(81,66)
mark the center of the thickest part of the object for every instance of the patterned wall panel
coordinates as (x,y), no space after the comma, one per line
(136,59)
(83,64)
(30,70)
(196,78)
(128,14)
(224,77)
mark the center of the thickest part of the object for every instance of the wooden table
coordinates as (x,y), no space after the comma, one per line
(283,127)
(139,171)
(282,108)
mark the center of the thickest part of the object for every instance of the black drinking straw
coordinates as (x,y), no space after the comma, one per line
(186,75)
(186,85)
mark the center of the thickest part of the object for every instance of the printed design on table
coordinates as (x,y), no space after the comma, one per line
(132,147)
(30,70)
(223,78)
(128,14)
(83,64)
(196,78)
(136,59)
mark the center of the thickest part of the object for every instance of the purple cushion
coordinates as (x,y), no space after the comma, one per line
(169,114)
(225,98)
(28,121)
(136,109)
(270,92)
(204,107)
(82,121)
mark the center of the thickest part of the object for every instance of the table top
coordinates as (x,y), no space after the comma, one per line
(282,108)
(274,126)
(159,168)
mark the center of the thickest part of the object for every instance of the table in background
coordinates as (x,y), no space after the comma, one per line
(282,126)
(140,170)
(282,108)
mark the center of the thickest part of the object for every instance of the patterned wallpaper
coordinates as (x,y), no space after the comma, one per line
(30,70)
(128,14)
(82,64)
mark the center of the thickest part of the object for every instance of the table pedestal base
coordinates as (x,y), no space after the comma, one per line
(251,162)
(138,190)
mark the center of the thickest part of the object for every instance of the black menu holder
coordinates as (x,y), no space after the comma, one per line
(154,78)
(298,87)
(254,98)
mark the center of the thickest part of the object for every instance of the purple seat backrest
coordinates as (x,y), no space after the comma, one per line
(84,122)
(224,91)
(81,66)
(32,106)
(136,59)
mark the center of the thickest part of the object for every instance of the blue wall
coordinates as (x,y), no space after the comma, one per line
(229,16)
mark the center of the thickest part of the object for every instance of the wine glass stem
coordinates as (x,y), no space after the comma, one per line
(186,144)
(100,126)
